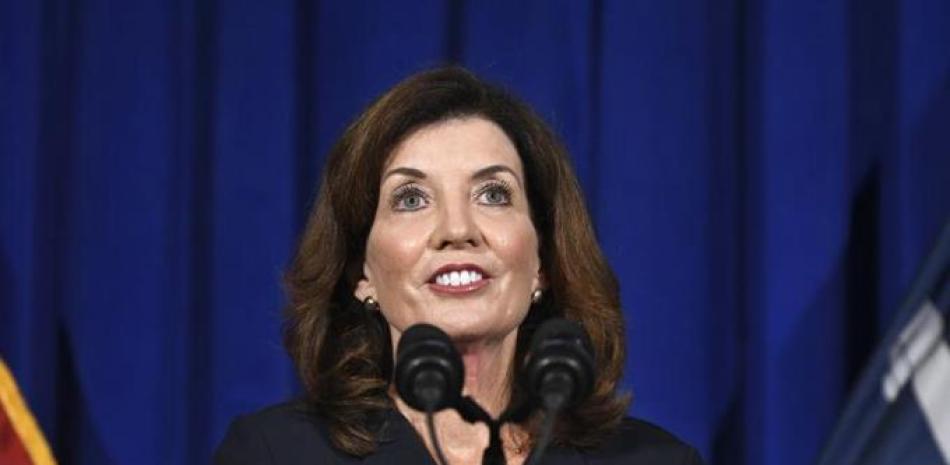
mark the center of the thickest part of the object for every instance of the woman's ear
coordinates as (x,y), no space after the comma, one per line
(540,281)
(364,289)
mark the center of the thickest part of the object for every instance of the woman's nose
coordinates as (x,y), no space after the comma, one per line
(456,229)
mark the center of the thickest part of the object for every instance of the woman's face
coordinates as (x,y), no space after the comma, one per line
(452,242)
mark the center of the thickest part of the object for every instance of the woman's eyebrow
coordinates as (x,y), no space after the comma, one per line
(405,171)
(482,173)
(488,171)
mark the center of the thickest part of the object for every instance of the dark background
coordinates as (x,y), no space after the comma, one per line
(766,176)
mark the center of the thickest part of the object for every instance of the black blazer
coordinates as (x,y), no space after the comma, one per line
(288,434)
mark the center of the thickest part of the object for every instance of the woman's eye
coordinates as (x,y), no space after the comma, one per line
(495,194)
(411,202)
(408,198)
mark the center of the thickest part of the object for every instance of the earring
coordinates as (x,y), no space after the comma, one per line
(536,296)
(370,304)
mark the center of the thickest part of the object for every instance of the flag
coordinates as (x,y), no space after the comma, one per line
(21,441)
(900,412)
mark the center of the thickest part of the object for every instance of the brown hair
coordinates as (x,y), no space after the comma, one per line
(343,353)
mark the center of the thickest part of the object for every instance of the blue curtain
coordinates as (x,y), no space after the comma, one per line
(765,176)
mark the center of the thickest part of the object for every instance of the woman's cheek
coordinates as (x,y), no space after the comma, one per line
(397,252)
(518,243)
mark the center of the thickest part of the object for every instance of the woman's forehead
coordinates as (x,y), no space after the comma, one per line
(455,146)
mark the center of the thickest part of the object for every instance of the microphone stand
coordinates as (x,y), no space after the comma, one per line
(471,412)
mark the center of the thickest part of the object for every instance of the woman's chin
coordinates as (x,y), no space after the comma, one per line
(468,332)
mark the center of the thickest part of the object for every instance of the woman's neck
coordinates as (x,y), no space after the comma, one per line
(487,370)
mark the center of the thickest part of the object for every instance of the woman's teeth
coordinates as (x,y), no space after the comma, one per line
(458,278)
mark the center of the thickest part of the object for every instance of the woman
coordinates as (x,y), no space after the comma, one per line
(448,202)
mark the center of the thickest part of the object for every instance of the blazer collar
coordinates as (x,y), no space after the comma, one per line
(401,444)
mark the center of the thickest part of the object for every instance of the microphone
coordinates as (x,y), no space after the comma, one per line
(429,375)
(559,373)
(429,371)
(559,367)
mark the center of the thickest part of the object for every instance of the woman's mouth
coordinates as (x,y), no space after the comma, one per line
(458,279)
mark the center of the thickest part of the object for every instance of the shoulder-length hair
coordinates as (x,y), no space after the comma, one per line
(343,353)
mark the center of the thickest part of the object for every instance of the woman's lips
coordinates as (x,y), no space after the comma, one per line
(458,279)
(460,289)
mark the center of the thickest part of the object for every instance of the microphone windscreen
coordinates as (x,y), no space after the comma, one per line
(421,332)
(560,346)
(561,329)
(424,354)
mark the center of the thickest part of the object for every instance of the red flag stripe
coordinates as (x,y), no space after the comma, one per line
(21,441)
(12,451)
